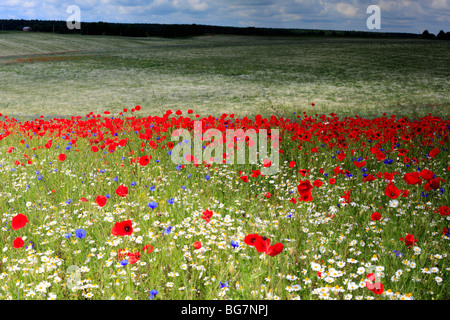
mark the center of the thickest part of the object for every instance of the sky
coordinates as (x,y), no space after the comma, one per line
(394,15)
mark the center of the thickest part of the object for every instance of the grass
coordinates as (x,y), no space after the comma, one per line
(65,75)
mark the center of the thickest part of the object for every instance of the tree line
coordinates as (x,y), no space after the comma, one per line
(188,30)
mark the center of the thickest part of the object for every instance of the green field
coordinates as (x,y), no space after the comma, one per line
(62,75)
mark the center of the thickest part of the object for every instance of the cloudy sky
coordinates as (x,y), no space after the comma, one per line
(395,15)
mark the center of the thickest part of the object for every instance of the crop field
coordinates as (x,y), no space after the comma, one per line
(120,178)
(65,75)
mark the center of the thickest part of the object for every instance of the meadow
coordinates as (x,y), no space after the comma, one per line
(93,206)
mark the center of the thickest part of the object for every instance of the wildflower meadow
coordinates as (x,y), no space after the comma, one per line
(94,207)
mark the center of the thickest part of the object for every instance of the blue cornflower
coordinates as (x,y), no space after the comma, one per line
(207,177)
(69,201)
(133,183)
(80,233)
(183,187)
(189,176)
(223,285)
(68,235)
(397,253)
(124,262)
(107,195)
(171,201)
(235,244)
(169,153)
(116,179)
(168,230)
(153,294)
(178,167)
(152,205)
(39,177)
(152,188)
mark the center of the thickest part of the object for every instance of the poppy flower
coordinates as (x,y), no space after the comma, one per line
(412,178)
(19,221)
(267,195)
(123,228)
(206,215)
(62,157)
(275,249)
(426,174)
(267,163)
(409,240)
(244,178)
(101,201)
(122,191)
(376,287)
(306,197)
(292,164)
(148,248)
(332,181)
(197,245)
(444,211)
(18,243)
(359,164)
(434,152)
(262,244)
(380,156)
(10,149)
(304,187)
(392,191)
(251,239)
(144,160)
(376,216)
(94,149)
(133,257)
(83,199)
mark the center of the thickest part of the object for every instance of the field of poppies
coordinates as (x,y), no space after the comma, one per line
(93,207)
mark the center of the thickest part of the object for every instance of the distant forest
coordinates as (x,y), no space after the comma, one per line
(185,30)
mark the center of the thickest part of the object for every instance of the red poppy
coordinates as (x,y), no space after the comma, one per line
(412,178)
(267,195)
(262,244)
(392,191)
(434,152)
(123,228)
(426,174)
(304,187)
(62,157)
(292,164)
(380,156)
(83,199)
(306,197)
(122,191)
(206,215)
(376,287)
(332,181)
(101,201)
(317,183)
(409,240)
(244,178)
(148,248)
(18,243)
(19,221)
(10,149)
(144,160)
(251,239)
(359,164)
(133,257)
(94,149)
(267,163)
(444,211)
(197,245)
(376,216)
(275,249)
